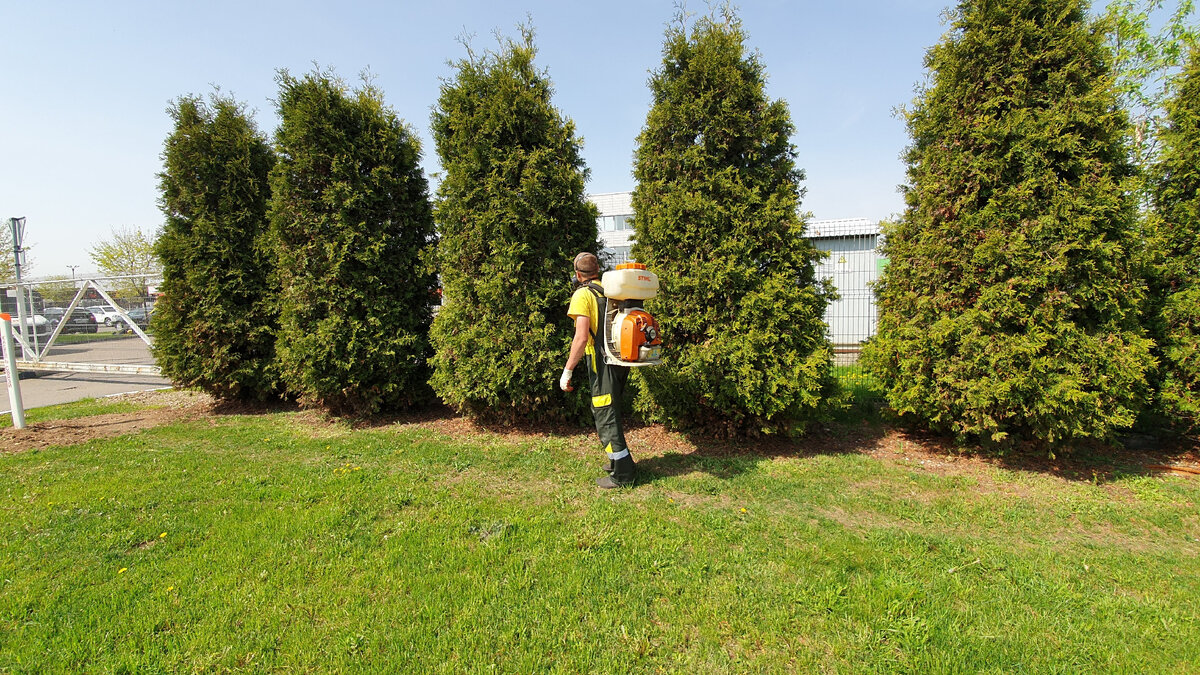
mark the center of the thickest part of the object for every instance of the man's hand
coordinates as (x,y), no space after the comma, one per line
(564,381)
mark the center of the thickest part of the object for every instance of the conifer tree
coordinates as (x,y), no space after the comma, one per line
(1176,193)
(1010,307)
(214,326)
(716,217)
(512,214)
(350,219)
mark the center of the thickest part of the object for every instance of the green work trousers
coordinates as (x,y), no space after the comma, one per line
(607,389)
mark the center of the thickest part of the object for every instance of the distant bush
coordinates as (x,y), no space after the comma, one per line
(215,324)
(1010,307)
(350,218)
(716,218)
(512,213)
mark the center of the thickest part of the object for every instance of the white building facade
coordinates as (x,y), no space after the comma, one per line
(854,263)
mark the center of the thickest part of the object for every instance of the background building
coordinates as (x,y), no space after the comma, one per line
(854,263)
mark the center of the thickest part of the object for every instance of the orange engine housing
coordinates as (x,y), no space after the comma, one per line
(638,329)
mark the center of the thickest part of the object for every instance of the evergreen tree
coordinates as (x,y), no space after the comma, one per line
(1011,304)
(350,219)
(1176,193)
(214,326)
(715,212)
(512,214)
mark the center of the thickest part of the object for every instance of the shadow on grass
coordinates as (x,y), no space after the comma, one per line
(860,425)
(728,458)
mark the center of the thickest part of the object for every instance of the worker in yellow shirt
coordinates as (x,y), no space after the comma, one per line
(607,381)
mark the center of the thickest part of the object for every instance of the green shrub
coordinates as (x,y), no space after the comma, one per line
(1010,307)
(1176,195)
(716,218)
(511,214)
(215,324)
(350,218)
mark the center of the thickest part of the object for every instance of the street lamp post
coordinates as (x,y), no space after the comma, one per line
(72,268)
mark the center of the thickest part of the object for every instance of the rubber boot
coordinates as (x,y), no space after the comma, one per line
(624,474)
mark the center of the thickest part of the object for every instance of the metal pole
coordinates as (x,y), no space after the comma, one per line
(17,226)
(10,368)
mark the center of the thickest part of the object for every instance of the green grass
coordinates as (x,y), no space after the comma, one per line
(268,543)
(77,409)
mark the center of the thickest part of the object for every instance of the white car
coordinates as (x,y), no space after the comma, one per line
(37,323)
(104,315)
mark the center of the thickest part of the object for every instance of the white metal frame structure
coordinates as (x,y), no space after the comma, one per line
(34,355)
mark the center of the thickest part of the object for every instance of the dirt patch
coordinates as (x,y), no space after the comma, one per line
(169,407)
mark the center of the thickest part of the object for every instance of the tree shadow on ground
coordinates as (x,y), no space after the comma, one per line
(1094,462)
(663,454)
(678,454)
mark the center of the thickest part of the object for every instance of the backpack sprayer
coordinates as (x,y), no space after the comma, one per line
(631,335)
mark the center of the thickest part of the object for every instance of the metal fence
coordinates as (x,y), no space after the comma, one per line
(93,325)
(854,264)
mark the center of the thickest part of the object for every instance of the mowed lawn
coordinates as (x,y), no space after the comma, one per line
(283,543)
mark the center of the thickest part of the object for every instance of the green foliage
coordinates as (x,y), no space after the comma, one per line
(128,252)
(716,218)
(215,324)
(1010,307)
(57,290)
(1175,189)
(1145,61)
(350,217)
(8,267)
(512,215)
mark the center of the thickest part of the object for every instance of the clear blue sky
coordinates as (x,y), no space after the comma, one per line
(86,86)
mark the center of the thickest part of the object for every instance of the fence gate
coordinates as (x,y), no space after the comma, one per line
(854,265)
(95,325)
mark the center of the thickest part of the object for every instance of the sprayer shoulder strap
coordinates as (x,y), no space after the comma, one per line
(599,332)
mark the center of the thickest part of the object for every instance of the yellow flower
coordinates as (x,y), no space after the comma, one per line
(162,535)
(170,588)
(670,500)
(122,570)
(743,510)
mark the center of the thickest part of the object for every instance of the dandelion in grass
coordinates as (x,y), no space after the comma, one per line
(122,570)
(743,510)
(162,535)
(170,588)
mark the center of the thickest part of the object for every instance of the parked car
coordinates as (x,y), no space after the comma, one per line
(140,316)
(104,314)
(35,324)
(81,320)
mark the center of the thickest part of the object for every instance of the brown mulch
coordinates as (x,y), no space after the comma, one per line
(168,407)
(929,452)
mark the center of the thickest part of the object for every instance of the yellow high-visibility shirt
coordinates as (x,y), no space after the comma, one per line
(583,303)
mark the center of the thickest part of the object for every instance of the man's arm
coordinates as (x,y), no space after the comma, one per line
(578,346)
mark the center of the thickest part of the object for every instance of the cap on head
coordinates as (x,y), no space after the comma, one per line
(588,265)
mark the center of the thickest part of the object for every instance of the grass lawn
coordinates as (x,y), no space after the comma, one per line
(280,542)
(70,411)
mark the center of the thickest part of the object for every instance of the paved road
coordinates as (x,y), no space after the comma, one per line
(54,388)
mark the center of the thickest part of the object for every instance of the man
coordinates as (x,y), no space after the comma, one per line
(607,381)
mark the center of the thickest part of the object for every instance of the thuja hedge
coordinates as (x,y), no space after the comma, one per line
(512,214)
(215,323)
(1011,304)
(716,218)
(1176,195)
(350,218)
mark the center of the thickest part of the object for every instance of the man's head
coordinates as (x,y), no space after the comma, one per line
(587,266)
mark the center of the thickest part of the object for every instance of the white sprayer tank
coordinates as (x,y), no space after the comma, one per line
(630,281)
